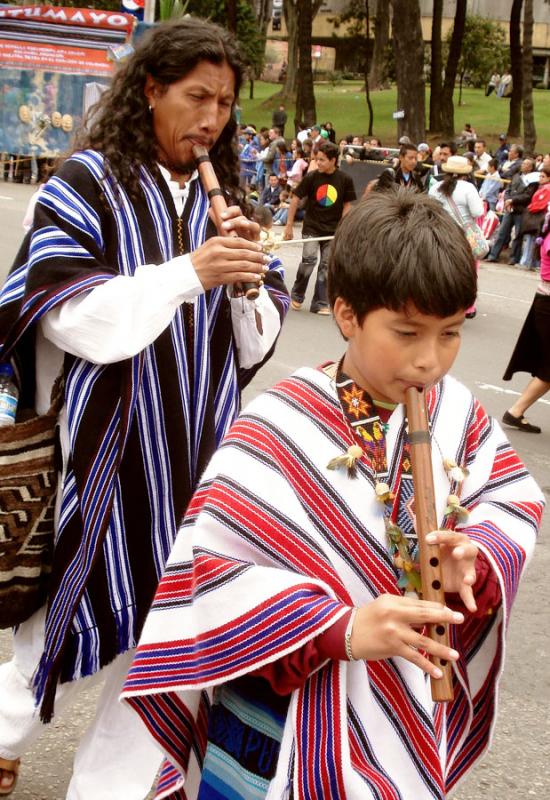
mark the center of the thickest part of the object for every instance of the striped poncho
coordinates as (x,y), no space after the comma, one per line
(274,549)
(142,430)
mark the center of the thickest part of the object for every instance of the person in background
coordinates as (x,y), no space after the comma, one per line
(482,157)
(298,169)
(248,154)
(270,196)
(288,616)
(328,194)
(492,185)
(406,174)
(280,217)
(459,198)
(329,127)
(513,163)
(445,150)
(516,198)
(532,351)
(532,221)
(275,141)
(139,310)
(279,118)
(493,84)
(501,153)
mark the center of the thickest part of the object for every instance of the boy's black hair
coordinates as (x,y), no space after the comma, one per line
(493,163)
(329,149)
(399,248)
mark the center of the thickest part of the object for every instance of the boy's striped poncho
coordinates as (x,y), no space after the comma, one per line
(274,548)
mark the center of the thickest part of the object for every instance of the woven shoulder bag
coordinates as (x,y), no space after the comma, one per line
(29,467)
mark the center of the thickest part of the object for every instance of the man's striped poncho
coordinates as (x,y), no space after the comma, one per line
(274,548)
(141,430)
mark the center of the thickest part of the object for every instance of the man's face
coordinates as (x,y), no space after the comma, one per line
(546,160)
(526,166)
(273,181)
(408,161)
(444,153)
(394,350)
(513,154)
(324,164)
(479,148)
(193,110)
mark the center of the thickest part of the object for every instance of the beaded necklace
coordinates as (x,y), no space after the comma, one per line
(362,415)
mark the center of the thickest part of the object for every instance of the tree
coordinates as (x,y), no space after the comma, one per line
(378,66)
(251,46)
(367,87)
(483,52)
(529,130)
(436,83)
(516,69)
(447,106)
(305,96)
(290,11)
(408,46)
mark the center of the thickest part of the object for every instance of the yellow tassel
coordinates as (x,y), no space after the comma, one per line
(383,493)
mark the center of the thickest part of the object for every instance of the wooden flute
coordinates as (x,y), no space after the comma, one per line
(217,203)
(426,520)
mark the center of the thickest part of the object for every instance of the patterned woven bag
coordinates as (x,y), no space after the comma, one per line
(28,482)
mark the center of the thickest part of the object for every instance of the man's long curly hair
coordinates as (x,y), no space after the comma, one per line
(120,125)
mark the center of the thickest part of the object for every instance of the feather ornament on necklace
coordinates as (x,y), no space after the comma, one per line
(347,461)
(383,493)
(454,471)
(455,509)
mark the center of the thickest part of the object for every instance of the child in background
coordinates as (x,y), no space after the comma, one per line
(491,186)
(285,654)
(281,215)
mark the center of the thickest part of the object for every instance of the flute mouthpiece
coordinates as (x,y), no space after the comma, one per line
(199,151)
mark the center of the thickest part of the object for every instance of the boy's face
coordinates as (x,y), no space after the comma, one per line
(393,350)
(325,164)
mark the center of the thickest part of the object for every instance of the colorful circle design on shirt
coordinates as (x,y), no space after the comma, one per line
(326,195)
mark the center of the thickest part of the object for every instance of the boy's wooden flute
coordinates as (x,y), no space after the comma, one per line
(217,203)
(426,521)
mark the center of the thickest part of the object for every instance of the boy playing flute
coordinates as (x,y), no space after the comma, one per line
(285,654)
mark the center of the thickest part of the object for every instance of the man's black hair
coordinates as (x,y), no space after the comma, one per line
(405,148)
(451,145)
(396,249)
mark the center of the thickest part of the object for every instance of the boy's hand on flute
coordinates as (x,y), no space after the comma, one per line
(458,562)
(224,260)
(392,625)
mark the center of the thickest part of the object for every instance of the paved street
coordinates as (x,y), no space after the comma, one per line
(517,766)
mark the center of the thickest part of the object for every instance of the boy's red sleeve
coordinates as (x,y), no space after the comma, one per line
(291,671)
(487,592)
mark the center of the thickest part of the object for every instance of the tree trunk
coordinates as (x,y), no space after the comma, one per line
(381,41)
(367,48)
(231,11)
(529,130)
(447,106)
(305,96)
(516,69)
(290,10)
(409,68)
(435,68)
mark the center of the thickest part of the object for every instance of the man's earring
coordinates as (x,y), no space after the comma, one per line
(150,109)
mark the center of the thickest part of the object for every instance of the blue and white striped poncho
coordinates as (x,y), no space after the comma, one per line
(142,430)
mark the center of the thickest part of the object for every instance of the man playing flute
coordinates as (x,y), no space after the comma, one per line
(285,654)
(123,286)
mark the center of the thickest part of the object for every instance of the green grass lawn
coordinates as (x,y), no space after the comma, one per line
(346,108)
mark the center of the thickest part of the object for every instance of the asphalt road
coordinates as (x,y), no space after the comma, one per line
(517,764)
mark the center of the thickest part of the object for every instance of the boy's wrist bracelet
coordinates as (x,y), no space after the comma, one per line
(347,636)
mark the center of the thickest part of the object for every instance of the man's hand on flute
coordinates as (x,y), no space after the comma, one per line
(235,221)
(224,260)
(392,625)
(458,562)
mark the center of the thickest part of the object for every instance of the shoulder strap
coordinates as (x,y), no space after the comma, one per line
(455,211)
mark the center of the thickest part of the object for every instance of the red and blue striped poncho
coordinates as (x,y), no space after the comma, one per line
(274,549)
